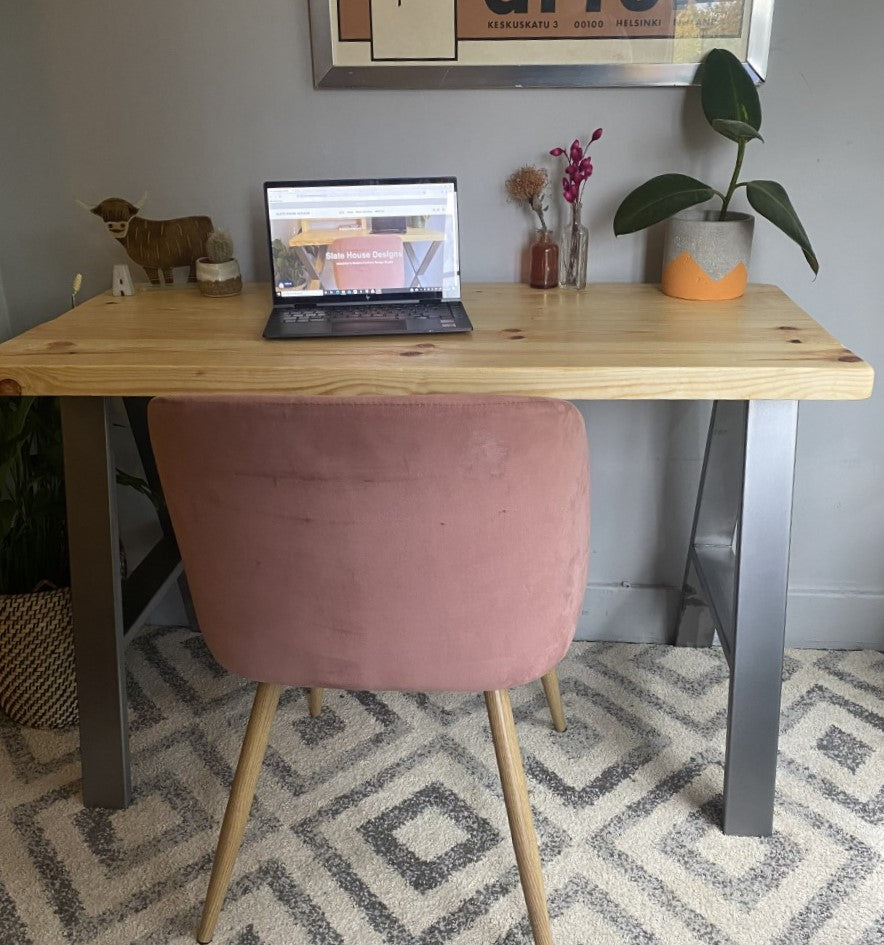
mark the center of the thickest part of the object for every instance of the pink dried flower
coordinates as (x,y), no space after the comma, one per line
(578,168)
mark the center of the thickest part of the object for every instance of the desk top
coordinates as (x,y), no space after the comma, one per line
(608,342)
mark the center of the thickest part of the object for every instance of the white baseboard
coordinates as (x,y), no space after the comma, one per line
(816,618)
(628,613)
(835,620)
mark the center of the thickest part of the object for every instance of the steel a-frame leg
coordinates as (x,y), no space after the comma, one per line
(105,608)
(736,581)
(93,536)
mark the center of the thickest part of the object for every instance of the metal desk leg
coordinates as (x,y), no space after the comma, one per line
(715,516)
(93,536)
(738,565)
(762,580)
(136,411)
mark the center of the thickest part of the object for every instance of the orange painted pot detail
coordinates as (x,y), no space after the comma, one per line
(707,259)
(685,278)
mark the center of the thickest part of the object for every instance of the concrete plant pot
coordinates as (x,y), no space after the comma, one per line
(707,259)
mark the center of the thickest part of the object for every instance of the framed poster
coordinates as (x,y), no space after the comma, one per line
(530,43)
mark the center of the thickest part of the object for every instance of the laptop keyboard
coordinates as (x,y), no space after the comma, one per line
(368,312)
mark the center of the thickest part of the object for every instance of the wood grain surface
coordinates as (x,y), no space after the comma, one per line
(608,342)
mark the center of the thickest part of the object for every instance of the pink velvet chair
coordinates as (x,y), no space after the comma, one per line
(385,543)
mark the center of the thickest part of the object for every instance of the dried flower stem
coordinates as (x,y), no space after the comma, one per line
(75,288)
(536,204)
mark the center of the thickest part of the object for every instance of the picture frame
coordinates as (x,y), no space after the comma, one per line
(463,44)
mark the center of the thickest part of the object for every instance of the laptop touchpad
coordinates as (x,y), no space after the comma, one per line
(357,327)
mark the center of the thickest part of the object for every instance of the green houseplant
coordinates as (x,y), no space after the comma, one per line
(37,679)
(731,106)
(287,267)
(33,531)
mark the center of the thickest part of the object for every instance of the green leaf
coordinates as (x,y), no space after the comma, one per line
(772,202)
(8,511)
(735,130)
(658,199)
(726,91)
(33,542)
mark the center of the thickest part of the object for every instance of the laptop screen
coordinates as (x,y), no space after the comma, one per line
(358,240)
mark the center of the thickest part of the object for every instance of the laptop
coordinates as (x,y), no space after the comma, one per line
(364,257)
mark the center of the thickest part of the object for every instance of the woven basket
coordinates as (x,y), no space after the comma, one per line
(38,685)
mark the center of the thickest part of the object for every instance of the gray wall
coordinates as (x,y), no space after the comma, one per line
(197,103)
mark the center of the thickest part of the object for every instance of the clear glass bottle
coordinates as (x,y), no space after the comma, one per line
(573,252)
(544,261)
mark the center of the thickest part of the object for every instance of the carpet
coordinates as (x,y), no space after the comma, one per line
(382,823)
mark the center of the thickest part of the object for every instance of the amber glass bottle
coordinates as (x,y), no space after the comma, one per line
(544,261)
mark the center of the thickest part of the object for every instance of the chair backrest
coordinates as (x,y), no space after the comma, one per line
(375,261)
(425,542)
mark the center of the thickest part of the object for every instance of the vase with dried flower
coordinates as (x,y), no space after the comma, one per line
(527,185)
(575,235)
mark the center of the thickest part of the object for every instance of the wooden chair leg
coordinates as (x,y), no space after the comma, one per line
(236,816)
(518,809)
(314,702)
(554,700)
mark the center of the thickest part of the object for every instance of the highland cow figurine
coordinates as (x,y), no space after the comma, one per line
(155,245)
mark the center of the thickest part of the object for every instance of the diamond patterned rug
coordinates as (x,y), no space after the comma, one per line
(382,823)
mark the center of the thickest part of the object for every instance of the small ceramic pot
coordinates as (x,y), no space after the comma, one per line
(707,259)
(218,279)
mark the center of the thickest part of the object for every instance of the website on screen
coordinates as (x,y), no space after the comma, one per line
(364,239)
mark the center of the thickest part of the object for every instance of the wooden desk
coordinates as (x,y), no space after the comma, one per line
(755,358)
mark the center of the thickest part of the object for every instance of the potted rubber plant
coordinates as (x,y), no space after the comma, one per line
(706,252)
